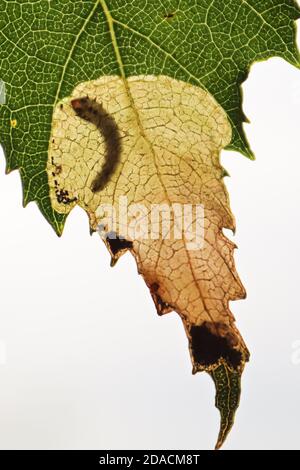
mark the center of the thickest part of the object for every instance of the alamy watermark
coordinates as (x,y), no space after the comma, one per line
(157,221)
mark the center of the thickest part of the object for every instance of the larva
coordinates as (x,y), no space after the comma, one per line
(93,112)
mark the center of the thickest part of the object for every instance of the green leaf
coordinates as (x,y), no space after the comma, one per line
(50,50)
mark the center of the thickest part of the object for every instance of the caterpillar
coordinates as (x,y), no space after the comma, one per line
(93,112)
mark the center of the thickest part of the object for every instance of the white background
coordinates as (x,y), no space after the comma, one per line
(85,362)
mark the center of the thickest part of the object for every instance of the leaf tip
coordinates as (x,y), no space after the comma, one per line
(225,173)
(228,391)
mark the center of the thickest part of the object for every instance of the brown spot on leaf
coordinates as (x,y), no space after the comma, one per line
(172,134)
(117,243)
(62,196)
(161,306)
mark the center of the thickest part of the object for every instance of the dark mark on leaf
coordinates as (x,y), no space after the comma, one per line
(161,306)
(207,347)
(169,15)
(117,243)
(93,112)
(63,197)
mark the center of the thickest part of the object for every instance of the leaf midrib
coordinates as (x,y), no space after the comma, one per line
(110,21)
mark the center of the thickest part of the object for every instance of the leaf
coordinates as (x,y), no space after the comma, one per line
(113,100)
(228,391)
